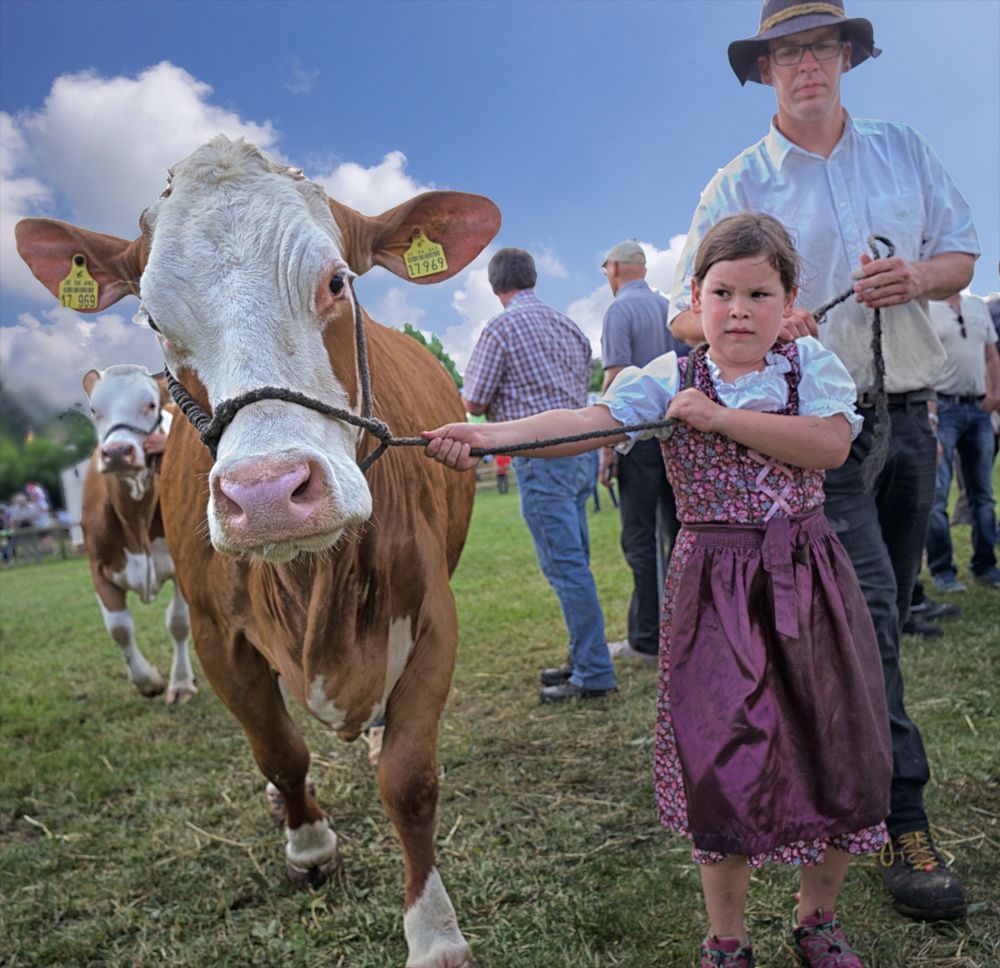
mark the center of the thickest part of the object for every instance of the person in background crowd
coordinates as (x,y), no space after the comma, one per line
(837,181)
(531,358)
(635,332)
(968,392)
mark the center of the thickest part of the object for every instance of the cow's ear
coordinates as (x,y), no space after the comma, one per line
(461,224)
(90,380)
(48,246)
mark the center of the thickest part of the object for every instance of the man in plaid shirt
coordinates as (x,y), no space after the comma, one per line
(528,359)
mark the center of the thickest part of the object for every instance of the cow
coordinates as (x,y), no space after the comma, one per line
(122,524)
(305,575)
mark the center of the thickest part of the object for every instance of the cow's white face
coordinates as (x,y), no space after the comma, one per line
(244,277)
(125,407)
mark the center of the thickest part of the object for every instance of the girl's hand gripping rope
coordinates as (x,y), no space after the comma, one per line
(451,443)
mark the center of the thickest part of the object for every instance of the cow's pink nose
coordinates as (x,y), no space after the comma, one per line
(119,454)
(268,500)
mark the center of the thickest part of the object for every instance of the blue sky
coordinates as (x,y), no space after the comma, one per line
(586,122)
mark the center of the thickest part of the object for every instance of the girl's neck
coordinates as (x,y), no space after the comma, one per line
(731,372)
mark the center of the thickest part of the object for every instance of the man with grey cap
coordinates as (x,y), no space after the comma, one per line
(837,181)
(635,332)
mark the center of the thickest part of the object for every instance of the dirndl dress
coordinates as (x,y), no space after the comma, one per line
(772,735)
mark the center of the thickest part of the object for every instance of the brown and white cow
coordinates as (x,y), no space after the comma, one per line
(122,524)
(304,575)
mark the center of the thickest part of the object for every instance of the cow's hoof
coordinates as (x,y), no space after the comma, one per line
(459,956)
(312,877)
(177,697)
(151,687)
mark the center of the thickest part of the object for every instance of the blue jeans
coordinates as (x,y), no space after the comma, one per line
(553,495)
(964,428)
(883,531)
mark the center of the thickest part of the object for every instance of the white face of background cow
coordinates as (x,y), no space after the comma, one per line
(125,407)
(244,275)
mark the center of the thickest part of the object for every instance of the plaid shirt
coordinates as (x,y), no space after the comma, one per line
(528,359)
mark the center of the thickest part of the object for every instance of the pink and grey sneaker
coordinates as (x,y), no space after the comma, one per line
(820,942)
(725,953)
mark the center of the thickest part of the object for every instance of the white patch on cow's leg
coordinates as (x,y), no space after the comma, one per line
(182,686)
(431,929)
(311,853)
(144,676)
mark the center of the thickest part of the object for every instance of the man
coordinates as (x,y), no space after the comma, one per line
(635,332)
(968,391)
(834,181)
(528,359)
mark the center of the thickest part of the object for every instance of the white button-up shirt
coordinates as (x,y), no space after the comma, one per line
(882,178)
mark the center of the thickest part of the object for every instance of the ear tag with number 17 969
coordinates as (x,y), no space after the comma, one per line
(79,290)
(424,257)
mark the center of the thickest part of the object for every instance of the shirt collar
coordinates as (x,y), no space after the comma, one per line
(632,284)
(524,297)
(778,147)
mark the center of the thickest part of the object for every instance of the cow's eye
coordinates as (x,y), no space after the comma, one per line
(152,324)
(337,283)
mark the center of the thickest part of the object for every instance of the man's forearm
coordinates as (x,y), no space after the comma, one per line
(686,326)
(945,274)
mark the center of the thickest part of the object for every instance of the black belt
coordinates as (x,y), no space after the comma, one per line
(962,398)
(867,400)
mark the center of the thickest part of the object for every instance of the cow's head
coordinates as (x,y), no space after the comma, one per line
(244,270)
(126,405)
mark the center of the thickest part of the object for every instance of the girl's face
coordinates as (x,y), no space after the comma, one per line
(741,303)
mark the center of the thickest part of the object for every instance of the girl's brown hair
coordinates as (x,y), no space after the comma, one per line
(743,236)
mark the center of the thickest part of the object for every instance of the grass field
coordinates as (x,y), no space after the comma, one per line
(133,834)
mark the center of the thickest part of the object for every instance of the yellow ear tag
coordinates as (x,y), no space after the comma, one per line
(424,257)
(79,289)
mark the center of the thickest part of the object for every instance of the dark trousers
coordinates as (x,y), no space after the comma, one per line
(649,527)
(883,532)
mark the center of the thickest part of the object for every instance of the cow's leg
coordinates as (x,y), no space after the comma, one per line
(244,681)
(118,621)
(408,781)
(182,686)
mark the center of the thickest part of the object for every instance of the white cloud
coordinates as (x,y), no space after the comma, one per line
(396,309)
(588,311)
(548,262)
(476,303)
(372,190)
(77,158)
(63,346)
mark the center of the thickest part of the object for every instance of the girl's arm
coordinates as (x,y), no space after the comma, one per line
(450,444)
(802,441)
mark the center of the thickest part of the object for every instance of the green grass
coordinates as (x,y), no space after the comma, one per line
(134,834)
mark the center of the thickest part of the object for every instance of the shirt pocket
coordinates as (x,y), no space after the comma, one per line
(900,219)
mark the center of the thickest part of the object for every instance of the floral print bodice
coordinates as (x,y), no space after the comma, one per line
(715,479)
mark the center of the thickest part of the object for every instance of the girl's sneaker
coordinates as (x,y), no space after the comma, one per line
(725,953)
(820,942)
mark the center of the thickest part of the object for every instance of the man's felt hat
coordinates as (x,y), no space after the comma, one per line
(779,18)
(628,252)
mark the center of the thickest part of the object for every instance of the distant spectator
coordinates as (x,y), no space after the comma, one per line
(968,391)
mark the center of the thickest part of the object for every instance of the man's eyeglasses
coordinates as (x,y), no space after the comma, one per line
(790,54)
(961,325)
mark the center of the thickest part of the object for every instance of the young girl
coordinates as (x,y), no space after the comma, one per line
(772,736)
